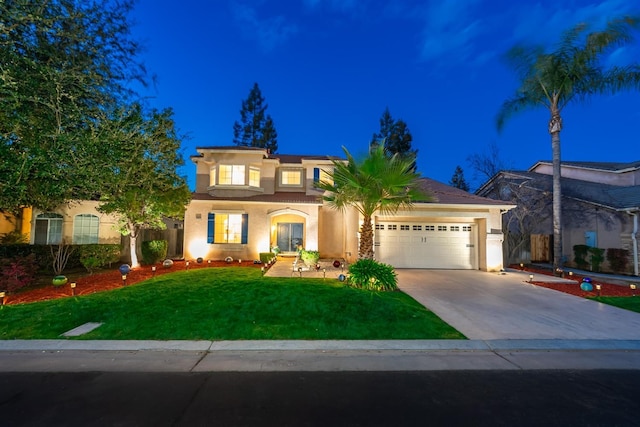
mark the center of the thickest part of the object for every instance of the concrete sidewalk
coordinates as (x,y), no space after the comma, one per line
(274,356)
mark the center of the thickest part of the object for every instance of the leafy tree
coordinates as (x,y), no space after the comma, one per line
(143,186)
(62,63)
(396,136)
(378,183)
(256,128)
(571,72)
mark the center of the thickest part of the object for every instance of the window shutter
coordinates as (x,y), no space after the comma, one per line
(316,175)
(210,227)
(245,229)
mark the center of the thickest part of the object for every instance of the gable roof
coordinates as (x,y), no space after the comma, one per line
(611,196)
(604,166)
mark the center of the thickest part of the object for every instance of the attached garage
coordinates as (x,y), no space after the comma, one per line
(415,244)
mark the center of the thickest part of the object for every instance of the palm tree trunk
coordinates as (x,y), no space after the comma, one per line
(555,126)
(366,239)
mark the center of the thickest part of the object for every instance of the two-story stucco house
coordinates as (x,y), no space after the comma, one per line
(247,201)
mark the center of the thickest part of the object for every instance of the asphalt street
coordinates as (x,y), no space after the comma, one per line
(434,398)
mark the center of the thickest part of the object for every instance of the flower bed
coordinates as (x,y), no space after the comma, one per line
(112,279)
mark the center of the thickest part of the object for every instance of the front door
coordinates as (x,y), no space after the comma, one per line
(290,236)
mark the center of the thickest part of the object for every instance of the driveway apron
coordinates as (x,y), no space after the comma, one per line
(490,306)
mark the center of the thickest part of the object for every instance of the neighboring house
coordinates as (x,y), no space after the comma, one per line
(247,201)
(600,207)
(77,223)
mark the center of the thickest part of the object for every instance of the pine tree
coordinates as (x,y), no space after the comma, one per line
(458,181)
(396,137)
(256,128)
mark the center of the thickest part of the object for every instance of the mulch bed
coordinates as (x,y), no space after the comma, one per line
(607,289)
(112,279)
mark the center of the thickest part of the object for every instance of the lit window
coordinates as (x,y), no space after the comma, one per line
(227,228)
(85,229)
(212,176)
(291,177)
(231,175)
(254,177)
(321,175)
(48,229)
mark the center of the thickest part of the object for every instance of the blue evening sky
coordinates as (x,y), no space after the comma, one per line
(329,68)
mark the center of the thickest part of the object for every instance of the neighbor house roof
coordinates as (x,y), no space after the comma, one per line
(605,166)
(612,196)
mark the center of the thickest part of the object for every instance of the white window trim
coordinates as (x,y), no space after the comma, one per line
(282,171)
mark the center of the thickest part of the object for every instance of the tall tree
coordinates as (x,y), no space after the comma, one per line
(458,181)
(378,183)
(486,165)
(256,128)
(143,186)
(571,72)
(396,136)
(62,63)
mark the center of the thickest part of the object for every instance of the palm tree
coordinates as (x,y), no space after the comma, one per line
(378,183)
(573,71)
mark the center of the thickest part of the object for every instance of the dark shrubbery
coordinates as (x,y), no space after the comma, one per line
(597,256)
(372,275)
(18,272)
(94,257)
(154,251)
(580,256)
(618,259)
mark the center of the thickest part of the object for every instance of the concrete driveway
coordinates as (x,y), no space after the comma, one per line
(488,306)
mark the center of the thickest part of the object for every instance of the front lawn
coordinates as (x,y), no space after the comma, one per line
(229,304)
(628,303)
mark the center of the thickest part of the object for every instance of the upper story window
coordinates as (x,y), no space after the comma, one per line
(231,175)
(85,229)
(321,175)
(291,177)
(254,177)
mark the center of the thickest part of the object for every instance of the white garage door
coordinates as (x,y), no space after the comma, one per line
(426,245)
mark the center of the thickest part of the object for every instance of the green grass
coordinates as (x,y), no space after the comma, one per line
(628,303)
(229,304)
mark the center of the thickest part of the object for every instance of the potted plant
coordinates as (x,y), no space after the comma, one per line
(310,258)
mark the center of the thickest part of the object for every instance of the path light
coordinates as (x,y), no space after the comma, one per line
(209,262)
(73,288)
(342,265)
(530,278)
(262,270)
(186,265)
(300,271)
(598,288)
(153,271)
(521,266)
(571,274)
(124,280)
(324,273)
(633,289)
(2,295)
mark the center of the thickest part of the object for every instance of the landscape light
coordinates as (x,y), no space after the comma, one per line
(186,265)
(153,271)
(124,280)
(598,288)
(633,289)
(531,278)
(73,288)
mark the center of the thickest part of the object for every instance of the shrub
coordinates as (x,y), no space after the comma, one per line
(13,238)
(266,257)
(154,251)
(580,256)
(618,259)
(95,256)
(372,275)
(309,257)
(18,272)
(60,255)
(597,256)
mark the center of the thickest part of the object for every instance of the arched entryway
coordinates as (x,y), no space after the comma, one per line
(288,231)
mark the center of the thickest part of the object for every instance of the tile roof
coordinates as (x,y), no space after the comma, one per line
(448,195)
(278,197)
